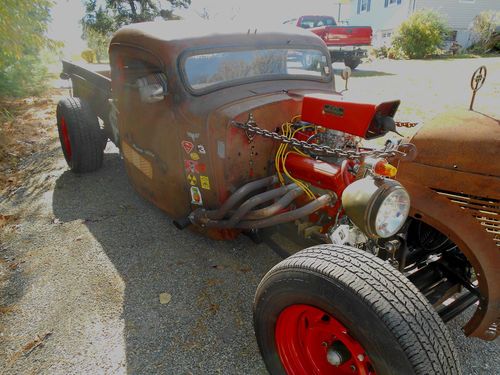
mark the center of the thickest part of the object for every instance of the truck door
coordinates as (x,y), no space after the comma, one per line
(146,127)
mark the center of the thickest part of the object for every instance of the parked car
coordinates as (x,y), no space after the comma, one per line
(227,132)
(344,42)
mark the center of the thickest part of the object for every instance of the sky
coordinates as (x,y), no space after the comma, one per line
(66,15)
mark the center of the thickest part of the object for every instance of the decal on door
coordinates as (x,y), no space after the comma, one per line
(201,149)
(193,136)
(194,166)
(187,146)
(196,196)
(192,179)
(205,182)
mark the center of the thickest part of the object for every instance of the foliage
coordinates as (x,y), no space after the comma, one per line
(116,13)
(483,31)
(133,11)
(100,22)
(89,56)
(420,35)
(23,24)
(24,77)
(98,43)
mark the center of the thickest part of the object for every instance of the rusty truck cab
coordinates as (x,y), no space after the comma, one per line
(185,140)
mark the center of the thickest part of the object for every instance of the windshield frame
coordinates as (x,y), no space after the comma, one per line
(181,63)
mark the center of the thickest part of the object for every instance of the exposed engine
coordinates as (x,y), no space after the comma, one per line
(327,180)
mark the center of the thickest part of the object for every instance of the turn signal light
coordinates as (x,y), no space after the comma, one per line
(383,168)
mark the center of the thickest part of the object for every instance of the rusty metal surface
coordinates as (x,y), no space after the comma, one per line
(197,158)
(454,184)
(461,140)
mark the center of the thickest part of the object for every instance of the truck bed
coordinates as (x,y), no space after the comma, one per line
(342,36)
(91,82)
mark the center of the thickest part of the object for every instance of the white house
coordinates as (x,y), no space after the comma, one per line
(384,16)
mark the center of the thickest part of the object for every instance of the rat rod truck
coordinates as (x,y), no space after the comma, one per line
(229,133)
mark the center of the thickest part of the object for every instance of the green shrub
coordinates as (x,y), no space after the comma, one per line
(25,76)
(483,31)
(385,52)
(420,35)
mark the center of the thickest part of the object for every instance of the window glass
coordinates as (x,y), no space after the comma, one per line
(309,22)
(225,68)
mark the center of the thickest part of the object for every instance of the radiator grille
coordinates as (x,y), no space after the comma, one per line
(486,210)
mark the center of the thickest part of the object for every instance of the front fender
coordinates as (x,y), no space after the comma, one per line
(468,234)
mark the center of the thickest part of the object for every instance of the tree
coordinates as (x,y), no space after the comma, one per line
(420,35)
(98,25)
(23,24)
(100,22)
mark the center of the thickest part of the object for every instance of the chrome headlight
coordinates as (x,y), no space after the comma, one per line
(378,206)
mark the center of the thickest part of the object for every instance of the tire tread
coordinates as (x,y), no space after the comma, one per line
(412,320)
(85,134)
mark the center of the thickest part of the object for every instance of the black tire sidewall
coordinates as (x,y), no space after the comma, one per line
(352,62)
(86,138)
(289,287)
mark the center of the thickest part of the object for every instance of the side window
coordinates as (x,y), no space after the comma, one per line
(141,76)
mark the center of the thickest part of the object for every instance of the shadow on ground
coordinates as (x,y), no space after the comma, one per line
(359,72)
(206,327)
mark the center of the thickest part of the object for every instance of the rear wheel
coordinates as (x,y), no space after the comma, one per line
(352,62)
(336,310)
(82,139)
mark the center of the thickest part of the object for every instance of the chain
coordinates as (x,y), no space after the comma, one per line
(252,129)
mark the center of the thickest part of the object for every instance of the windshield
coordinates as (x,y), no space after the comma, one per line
(205,71)
(308,22)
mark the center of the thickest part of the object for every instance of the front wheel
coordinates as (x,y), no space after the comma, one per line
(337,310)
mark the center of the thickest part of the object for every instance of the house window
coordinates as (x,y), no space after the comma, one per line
(388,3)
(363,6)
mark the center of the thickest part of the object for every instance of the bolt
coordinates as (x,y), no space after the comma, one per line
(361,357)
(353,368)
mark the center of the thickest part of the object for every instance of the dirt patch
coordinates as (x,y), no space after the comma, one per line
(26,127)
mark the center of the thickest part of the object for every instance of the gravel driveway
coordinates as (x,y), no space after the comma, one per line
(84,263)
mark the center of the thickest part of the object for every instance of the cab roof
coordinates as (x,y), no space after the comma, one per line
(175,36)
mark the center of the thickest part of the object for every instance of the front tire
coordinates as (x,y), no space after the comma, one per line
(335,304)
(82,139)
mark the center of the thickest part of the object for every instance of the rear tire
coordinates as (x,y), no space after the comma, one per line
(352,62)
(383,318)
(82,139)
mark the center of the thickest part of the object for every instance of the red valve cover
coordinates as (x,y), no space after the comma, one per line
(350,117)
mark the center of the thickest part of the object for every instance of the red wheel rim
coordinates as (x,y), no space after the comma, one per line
(308,340)
(65,138)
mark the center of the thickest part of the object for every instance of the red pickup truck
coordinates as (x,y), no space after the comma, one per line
(343,42)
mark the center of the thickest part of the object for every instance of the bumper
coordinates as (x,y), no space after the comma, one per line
(339,53)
